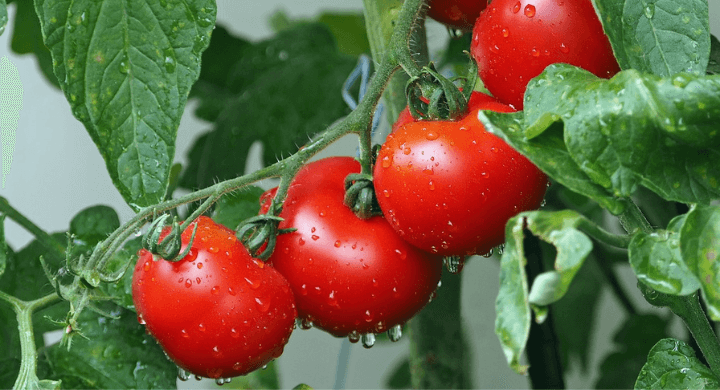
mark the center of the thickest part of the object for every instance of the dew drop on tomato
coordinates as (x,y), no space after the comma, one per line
(337,244)
(188,283)
(216,352)
(516,8)
(231,291)
(254,284)
(140,319)
(354,336)
(201,327)
(263,304)
(368,316)
(529,10)
(564,48)
(368,340)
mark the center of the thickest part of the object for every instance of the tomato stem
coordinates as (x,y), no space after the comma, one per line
(440,355)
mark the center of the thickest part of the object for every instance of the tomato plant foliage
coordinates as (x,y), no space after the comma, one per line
(628,138)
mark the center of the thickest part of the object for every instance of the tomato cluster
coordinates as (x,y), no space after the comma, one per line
(446,189)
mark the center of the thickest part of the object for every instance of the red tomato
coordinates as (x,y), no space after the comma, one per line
(477,99)
(515,40)
(217,312)
(459,14)
(350,276)
(450,187)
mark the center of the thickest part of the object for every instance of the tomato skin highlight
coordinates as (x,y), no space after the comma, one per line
(515,40)
(217,312)
(450,187)
(459,14)
(348,274)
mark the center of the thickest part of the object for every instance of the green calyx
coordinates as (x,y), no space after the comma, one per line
(360,195)
(169,247)
(432,96)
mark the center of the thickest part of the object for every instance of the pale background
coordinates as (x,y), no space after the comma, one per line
(57,171)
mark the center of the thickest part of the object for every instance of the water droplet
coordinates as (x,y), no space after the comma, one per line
(188,283)
(124,66)
(529,10)
(332,301)
(254,284)
(368,316)
(201,327)
(198,280)
(146,266)
(140,319)
(407,150)
(199,265)
(500,249)
(216,351)
(213,249)
(182,374)
(386,162)
(516,8)
(314,237)
(306,324)
(535,52)
(432,135)
(234,333)
(301,241)
(354,336)
(368,340)
(215,372)
(222,381)
(488,254)
(505,33)
(650,11)
(564,48)
(231,291)
(395,333)
(337,244)
(170,63)
(454,264)
(431,185)
(263,304)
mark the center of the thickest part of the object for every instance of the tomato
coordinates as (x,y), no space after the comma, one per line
(217,312)
(477,99)
(515,40)
(450,187)
(350,276)
(459,14)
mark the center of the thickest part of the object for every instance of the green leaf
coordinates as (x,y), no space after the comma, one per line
(632,341)
(236,207)
(116,354)
(630,130)
(512,308)
(671,364)
(656,260)
(126,68)
(279,92)
(94,224)
(560,229)
(27,38)
(714,62)
(3,16)
(348,29)
(576,314)
(662,37)
(700,245)
(549,153)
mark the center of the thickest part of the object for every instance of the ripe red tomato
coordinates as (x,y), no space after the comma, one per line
(217,312)
(450,187)
(477,99)
(459,14)
(350,276)
(515,40)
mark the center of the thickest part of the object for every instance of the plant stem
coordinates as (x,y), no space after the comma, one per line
(51,244)
(688,308)
(546,371)
(382,18)
(439,351)
(27,377)
(602,235)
